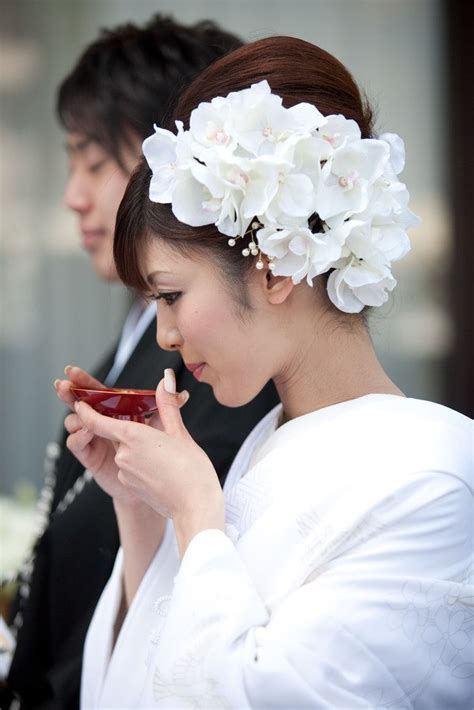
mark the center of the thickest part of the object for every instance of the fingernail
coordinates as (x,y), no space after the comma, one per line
(170,381)
(185,396)
(76,406)
(85,429)
(67,368)
(56,383)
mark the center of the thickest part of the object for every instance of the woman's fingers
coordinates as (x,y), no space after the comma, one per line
(77,378)
(72,423)
(169,404)
(180,399)
(79,439)
(106,427)
(81,378)
(63,391)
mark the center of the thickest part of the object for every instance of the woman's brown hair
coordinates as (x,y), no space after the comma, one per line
(295,70)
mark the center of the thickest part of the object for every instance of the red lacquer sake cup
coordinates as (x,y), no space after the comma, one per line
(117,403)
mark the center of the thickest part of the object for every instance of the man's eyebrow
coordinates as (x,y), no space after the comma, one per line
(77,146)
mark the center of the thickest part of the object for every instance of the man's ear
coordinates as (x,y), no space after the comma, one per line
(277,288)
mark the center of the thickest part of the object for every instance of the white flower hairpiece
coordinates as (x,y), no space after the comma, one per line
(312,194)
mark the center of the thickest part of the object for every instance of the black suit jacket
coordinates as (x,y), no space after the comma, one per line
(76,553)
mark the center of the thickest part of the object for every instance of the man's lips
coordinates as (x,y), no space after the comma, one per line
(90,237)
(196,368)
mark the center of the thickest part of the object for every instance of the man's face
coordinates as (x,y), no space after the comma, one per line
(94,190)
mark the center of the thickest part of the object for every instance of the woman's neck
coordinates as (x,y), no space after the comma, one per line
(337,365)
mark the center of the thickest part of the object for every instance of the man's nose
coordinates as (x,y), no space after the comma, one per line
(76,195)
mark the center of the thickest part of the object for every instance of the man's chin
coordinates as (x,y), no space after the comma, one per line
(104,268)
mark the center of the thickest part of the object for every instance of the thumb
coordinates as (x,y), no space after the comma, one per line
(169,404)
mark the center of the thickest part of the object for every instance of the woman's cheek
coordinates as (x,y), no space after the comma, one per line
(205,326)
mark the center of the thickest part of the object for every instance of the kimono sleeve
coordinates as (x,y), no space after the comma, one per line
(379,626)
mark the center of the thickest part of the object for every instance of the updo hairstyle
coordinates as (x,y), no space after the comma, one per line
(295,70)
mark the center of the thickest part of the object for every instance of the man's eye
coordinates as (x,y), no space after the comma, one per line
(169,298)
(96,167)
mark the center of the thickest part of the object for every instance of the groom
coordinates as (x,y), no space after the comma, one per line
(123,83)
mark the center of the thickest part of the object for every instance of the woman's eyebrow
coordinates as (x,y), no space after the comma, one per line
(152,277)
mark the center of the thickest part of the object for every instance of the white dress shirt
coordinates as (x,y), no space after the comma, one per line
(138,319)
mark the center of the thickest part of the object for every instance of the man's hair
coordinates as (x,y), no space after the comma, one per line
(129,78)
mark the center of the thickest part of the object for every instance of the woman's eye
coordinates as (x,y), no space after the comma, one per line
(169,298)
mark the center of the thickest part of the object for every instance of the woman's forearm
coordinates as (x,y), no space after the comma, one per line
(141,531)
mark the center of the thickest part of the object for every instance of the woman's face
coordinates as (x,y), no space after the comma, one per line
(199,316)
(94,190)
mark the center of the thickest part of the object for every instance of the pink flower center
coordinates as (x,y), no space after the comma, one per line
(330,139)
(216,135)
(347,181)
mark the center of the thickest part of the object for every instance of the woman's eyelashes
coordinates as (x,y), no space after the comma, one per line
(169,297)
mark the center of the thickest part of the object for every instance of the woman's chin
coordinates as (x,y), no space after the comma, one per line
(232,399)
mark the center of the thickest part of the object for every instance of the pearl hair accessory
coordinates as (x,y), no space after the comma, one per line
(253,247)
(310,193)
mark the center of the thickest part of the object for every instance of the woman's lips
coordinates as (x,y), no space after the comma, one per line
(196,368)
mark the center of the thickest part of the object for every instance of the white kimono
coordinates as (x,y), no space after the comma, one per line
(344,579)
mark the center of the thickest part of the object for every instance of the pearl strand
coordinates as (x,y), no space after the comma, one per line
(25,572)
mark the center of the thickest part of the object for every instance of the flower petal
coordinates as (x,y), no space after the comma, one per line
(189,199)
(397,150)
(341,295)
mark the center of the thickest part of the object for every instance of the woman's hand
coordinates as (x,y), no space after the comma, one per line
(77,378)
(162,466)
(94,453)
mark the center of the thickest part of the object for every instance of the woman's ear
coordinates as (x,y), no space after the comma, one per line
(277,288)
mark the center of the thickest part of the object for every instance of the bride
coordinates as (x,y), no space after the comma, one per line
(333,571)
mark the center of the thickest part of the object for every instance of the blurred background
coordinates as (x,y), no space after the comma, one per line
(406,55)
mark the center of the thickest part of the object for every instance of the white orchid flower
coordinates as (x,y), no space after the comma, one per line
(211,127)
(192,202)
(225,182)
(339,130)
(397,150)
(299,252)
(246,99)
(348,177)
(352,299)
(305,153)
(265,124)
(363,276)
(166,154)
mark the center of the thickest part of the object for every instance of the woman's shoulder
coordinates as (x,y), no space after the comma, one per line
(431,413)
(374,436)
(389,417)
(431,435)
(385,408)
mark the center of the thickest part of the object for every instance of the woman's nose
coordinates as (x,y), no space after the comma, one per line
(167,335)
